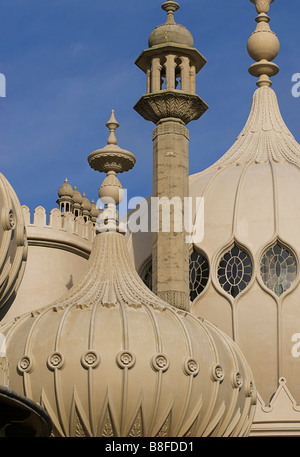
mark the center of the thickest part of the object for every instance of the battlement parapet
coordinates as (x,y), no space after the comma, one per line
(62,231)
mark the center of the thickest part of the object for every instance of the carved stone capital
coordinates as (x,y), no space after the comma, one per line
(165,104)
(170,127)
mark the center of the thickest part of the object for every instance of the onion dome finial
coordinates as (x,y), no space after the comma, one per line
(263,46)
(111,160)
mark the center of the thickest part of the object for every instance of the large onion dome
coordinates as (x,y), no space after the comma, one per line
(252,244)
(247,278)
(251,235)
(112,359)
(13,244)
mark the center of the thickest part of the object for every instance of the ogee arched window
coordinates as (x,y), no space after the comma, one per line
(199,274)
(235,271)
(278,268)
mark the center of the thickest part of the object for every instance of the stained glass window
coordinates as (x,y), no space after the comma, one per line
(147,276)
(278,269)
(235,271)
(199,274)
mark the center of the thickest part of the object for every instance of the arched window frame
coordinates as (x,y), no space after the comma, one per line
(227,278)
(267,283)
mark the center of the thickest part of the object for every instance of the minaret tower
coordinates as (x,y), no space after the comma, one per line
(171,63)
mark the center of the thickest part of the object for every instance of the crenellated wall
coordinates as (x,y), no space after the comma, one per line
(59,227)
(58,249)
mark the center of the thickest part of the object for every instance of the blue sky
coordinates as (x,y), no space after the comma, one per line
(67,63)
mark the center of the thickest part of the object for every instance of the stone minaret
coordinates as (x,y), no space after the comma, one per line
(171,63)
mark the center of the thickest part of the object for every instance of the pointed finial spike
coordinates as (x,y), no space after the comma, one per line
(112,120)
(112,125)
(170,7)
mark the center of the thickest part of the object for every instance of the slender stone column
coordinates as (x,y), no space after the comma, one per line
(155,75)
(185,74)
(148,81)
(192,80)
(170,254)
(170,66)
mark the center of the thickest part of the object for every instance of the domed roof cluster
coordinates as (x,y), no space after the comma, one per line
(112,359)
(71,200)
(13,244)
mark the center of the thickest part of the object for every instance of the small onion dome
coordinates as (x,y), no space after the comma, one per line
(77,197)
(13,244)
(94,210)
(170,32)
(65,190)
(86,204)
(111,359)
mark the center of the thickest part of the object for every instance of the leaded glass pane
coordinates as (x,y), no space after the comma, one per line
(235,271)
(278,269)
(147,277)
(199,274)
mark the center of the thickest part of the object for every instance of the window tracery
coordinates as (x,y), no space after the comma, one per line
(234,271)
(147,275)
(198,277)
(278,268)
(199,274)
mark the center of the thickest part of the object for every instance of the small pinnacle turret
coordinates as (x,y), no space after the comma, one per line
(171,63)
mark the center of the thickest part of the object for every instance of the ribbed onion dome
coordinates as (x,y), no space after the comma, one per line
(251,242)
(13,244)
(170,32)
(65,190)
(252,201)
(111,359)
(77,197)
